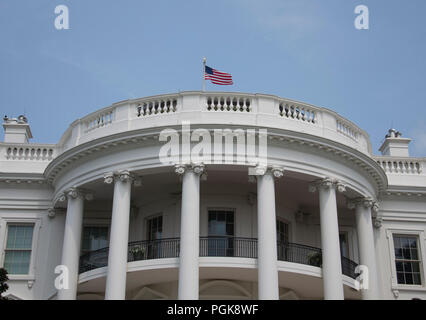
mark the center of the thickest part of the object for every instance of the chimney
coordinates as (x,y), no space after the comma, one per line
(394,145)
(16,130)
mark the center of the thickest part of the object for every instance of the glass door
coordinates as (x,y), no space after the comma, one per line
(221,233)
(154,232)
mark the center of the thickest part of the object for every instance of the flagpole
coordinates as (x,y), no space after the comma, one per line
(204,73)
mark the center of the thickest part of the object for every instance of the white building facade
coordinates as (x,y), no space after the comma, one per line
(100,215)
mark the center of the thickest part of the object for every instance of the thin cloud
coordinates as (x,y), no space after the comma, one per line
(294,18)
(419,141)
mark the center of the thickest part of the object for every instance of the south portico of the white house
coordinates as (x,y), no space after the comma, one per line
(126,225)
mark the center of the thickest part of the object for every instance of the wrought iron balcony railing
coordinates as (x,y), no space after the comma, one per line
(214,247)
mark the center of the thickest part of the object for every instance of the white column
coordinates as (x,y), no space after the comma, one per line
(119,236)
(330,243)
(72,241)
(367,254)
(267,237)
(188,285)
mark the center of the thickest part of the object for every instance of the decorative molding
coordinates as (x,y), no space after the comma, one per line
(377,222)
(277,172)
(366,202)
(74,193)
(395,293)
(197,168)
(123,176)
(23,181)
(52,212)
(180,169)
(327,183)
(30,283)
(409,194)
(261,170)
(109,177)
(362,161)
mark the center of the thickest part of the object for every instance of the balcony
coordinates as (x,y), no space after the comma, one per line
(213,247)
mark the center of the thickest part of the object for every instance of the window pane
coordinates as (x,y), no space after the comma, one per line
(155,228)
(406,260)
(396,242)
(229,229)
(414,254)
(401,278)
(413,242)
(230,218)
(417,278)
(221,223)
(17,262)
(95,238)
(398,253)
(407,267)
(406,254)
(416,267)
(408,278)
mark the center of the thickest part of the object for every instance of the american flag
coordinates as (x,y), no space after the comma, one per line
(217,77)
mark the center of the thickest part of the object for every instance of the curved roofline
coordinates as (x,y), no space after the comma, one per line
(183,93)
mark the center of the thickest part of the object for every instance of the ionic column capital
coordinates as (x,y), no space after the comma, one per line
(366,202)
(327,183)
(109,177)
(377,222)
(261,170)
(123,176)
(197,168)
(51,212)
(76,193)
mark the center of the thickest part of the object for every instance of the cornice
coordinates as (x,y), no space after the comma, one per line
(23,178)
(362,161)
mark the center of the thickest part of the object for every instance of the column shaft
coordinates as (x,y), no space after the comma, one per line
(331,261)
(71,245)
(119,237)
(188,287)
(267,238)
(366,250)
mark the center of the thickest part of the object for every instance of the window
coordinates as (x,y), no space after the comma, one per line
(18,248)
(154,232)
(344,245)
(282,232)
(407,259)
(221,223)
(155,228)
(282,240)
(94,238)
(221,233)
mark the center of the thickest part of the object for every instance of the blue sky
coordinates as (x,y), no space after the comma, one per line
(307,50)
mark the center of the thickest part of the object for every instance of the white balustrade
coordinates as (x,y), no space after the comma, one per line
(347,129)
(287,113)
(33,152)
(400,166)
(100,119)
(228,103)
(298,112)
(157,106)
